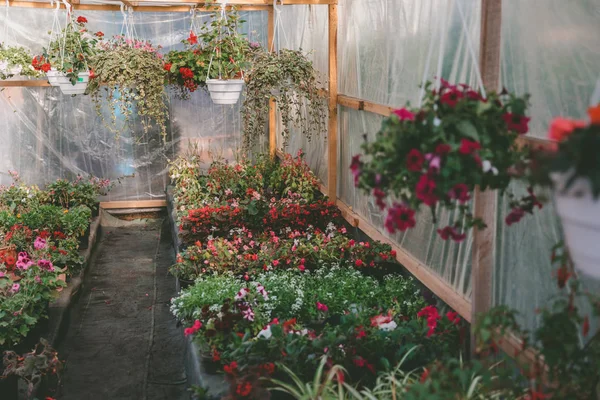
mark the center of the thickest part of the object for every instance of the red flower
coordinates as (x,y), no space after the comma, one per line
(382,319)
(400,217)
(355,168)
(216,356)
(244,389)
(193,329)
(432,315)
(414,160)
(322,307)
(562,276)
(426,190)
(468,146)
(231,368)
(359,263)
(517,123)
(561,128)
(99,34)
(449,232)
(45,67)
(404,115)
(379,196)
(452,97)
(442,149)
(82,20)
(186,73)
(585,328)
(424,375)
(360,332)
(193,39)
(359,362)
(514,216)
(453,317)
(460,192)
(473,95)
(167,67)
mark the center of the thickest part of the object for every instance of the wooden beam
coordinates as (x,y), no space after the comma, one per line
(25,83)
(272,103)
(114,205)
(332,134)
(485,203)
(142,8)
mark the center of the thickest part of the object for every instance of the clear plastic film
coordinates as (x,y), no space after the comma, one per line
(46,135)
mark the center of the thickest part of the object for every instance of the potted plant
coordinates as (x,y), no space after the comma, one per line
(68,55)
(572,168)
(230,52)
(290,77)
(439,153)
(187,69)
(15,60)
(134,76)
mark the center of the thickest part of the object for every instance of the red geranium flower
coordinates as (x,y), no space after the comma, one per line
(99,34)
(193,329)
(231,368)
(400,217)
(82,20)
(414,160)
(426,190)
(45,67)
(244,389)
(186,73)
(452,97)
(404,115)
(468,146)
(517,123)
(193,39)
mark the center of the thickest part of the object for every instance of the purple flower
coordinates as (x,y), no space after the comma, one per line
(15,287)
(434,161)
(40,243)
(46,264)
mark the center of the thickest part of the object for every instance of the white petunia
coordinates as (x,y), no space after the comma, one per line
(487,167)
(390,326)
(265,333)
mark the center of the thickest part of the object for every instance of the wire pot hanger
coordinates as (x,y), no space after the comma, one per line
(9,32)
(128,30)
(278,7)
(217,50)
(69,25)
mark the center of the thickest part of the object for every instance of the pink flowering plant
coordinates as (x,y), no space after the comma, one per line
(438,154)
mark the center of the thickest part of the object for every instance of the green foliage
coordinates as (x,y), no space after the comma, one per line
(134,77)
(15,60)
(288,76)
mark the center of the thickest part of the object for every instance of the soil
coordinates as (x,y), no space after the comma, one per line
(123,343)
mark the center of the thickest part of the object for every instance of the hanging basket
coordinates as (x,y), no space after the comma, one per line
(225,91)
(78,88)
(580,217)
(52,76)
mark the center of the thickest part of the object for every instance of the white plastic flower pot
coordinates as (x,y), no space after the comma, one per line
(225,91)
(78,88)
(52,76)
(580,217)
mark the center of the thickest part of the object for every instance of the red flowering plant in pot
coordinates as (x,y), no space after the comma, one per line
(571,167)
(436,155)
(187,68)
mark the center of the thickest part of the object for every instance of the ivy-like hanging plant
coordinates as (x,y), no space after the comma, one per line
(134,77)
(288,76)
(15,60)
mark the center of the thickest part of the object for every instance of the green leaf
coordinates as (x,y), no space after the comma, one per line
(467,129)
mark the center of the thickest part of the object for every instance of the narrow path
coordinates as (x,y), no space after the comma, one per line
(122,342)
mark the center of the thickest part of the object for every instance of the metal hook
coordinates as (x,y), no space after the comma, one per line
(123,10)
(192,10)
(68,6)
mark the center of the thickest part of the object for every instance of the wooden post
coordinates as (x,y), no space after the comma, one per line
(332,134)
(272,104)
(486,205)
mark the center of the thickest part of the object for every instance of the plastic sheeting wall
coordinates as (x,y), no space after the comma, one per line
(385,48)
(45,135)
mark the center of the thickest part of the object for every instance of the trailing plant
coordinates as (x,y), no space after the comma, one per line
(134,76)
(440,153)
(71,52)
(16,60)
(291,79)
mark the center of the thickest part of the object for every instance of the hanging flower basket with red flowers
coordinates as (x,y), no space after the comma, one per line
(436,155)
(572,168)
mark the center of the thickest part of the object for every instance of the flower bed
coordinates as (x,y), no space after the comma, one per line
(278,279)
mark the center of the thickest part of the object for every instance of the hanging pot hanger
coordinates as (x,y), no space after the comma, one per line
(9,33)
(278,29)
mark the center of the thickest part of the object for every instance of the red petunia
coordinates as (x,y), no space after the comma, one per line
(82,20)
(442,149)
(379,196)
(415,160)
(404,115)
(460,192)
(449,232)
(452,97)
(468,146)
(453,317)
(192,39)
(514,216)
(425,190)
(193,329)
(517,123)
(400,217)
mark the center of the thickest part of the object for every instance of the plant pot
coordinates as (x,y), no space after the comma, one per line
(580,217)
(52,76)
(84,240)
(9,387)
(11,71)
(183,284)
(225,91)
(78,88)
(209,366)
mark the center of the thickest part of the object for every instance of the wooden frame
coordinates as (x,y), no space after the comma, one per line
(119,205)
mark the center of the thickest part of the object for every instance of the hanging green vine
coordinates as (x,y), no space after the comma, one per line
(288,76)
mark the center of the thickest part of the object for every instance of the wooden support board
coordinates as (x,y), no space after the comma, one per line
(272,104)
(115,205)
(332,134)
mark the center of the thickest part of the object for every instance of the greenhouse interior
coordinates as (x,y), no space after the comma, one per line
(391,221)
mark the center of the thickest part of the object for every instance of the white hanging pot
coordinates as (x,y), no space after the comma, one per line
(78,88)
(225,91)
(580,217)
(52,76)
